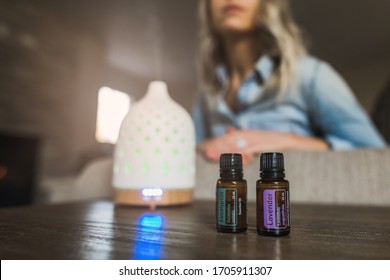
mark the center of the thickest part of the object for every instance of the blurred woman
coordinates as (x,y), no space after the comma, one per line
(261,91)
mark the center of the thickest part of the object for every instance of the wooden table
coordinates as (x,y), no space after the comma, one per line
(101,230)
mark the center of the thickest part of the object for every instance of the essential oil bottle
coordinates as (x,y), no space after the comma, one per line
(272,197)
(231,195)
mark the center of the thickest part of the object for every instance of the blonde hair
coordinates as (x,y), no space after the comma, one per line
(280,38)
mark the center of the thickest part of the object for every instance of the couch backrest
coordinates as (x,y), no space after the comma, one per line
(348,177)
(358,177)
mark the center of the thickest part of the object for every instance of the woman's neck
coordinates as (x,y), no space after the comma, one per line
(241,52)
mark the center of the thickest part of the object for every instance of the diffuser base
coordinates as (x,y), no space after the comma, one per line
(169,197)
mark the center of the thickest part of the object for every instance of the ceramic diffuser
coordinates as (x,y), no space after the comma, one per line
(154,160)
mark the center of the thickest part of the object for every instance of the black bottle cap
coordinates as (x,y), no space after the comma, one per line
(272,165)
(230,165)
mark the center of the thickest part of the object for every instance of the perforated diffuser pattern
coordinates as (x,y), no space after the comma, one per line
(156,145)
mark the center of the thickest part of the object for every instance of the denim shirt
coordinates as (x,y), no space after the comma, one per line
(322,106)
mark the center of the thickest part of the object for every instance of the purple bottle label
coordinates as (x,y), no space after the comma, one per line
(276,209)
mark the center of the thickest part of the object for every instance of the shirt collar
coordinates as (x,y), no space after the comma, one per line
(264,67)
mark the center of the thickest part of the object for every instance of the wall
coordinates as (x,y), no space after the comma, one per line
(49,77)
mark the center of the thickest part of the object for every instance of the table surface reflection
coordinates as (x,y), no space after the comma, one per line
(102,230)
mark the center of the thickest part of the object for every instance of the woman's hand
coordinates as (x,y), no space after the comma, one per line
(249,143)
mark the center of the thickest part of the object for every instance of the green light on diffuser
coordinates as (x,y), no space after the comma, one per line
(166,168)
(146,168)
(129,168)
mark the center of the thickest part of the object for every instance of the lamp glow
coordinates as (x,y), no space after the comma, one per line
(113,105)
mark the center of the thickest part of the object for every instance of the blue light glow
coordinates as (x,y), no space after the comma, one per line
(152,222)
(149,243)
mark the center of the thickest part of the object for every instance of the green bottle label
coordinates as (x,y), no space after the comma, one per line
(227,206)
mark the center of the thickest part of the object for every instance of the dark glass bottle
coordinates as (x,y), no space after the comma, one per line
(272,197)
(231,195)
